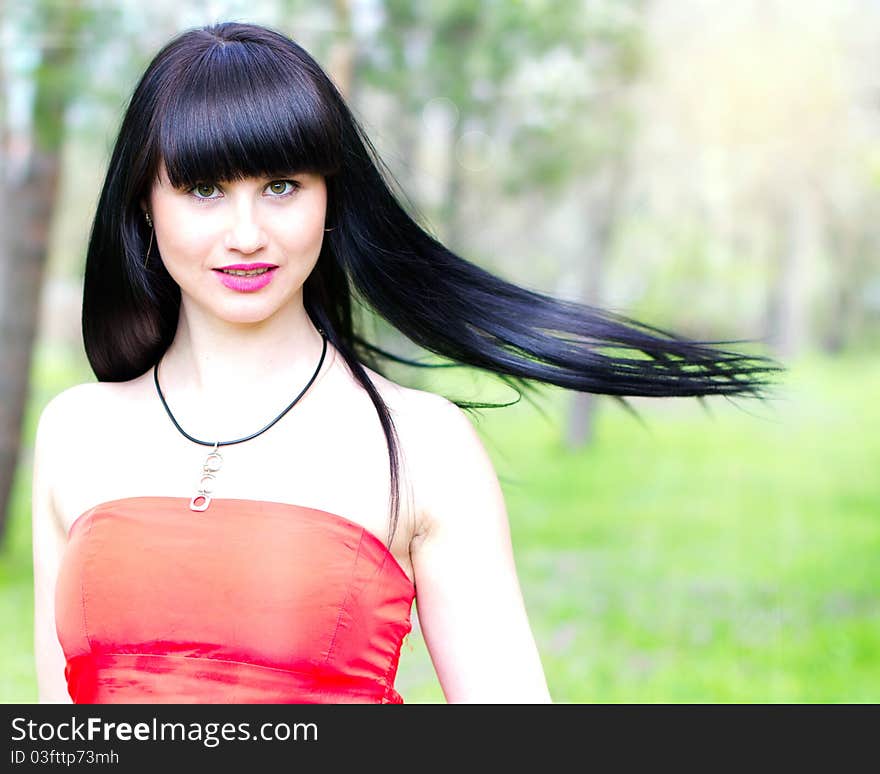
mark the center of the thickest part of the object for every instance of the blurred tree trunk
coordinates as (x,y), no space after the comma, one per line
(451,206)
(463,31)
(787,316)
(341,58)
(8,439)
(853,245)
(842,293)
(601,213)
(29,199)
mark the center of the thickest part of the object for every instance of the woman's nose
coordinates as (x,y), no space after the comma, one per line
(245,233)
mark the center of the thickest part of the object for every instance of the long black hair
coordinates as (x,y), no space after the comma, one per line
(230,101)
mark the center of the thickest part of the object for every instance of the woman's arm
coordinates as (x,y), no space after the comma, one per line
(49,540)
(469,602)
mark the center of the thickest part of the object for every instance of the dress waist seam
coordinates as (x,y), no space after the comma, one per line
(319,669)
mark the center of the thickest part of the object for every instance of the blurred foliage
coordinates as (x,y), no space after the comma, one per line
(69,33)
(471,54)
(503,119)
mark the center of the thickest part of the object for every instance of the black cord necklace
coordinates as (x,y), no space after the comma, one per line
(213,462)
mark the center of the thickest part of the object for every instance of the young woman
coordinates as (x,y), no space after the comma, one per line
(242,508)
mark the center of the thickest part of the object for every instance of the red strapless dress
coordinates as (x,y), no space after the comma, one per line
(248,602)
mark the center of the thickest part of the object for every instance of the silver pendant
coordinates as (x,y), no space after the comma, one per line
(213,463)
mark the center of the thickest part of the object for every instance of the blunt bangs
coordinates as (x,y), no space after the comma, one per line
(240,109)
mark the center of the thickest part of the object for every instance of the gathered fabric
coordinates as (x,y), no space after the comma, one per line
(248,602)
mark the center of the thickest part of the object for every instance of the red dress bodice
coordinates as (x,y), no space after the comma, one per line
(247,602)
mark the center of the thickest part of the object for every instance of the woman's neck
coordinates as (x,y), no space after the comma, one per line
(230,376)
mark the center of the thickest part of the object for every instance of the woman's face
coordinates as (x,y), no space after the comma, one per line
(275,221)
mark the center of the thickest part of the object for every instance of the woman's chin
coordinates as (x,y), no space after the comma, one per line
(237,311)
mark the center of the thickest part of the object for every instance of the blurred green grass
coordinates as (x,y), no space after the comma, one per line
(728,556)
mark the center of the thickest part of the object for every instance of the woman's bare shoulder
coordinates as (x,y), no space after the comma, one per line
(68,403)
(83,412)
(76,400)
(435,433)
(66,427)
(419,410)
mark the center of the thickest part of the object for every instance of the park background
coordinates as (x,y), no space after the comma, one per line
(708,167)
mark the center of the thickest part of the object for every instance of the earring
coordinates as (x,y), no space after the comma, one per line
(152,231)
(329,229)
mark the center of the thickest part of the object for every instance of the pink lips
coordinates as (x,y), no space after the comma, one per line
(246,284)
(249,266)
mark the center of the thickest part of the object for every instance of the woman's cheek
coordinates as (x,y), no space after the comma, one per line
(305,235)
(190,238)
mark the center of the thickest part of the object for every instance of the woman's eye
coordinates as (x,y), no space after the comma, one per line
(281,187)
(276,188)
(204,190)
